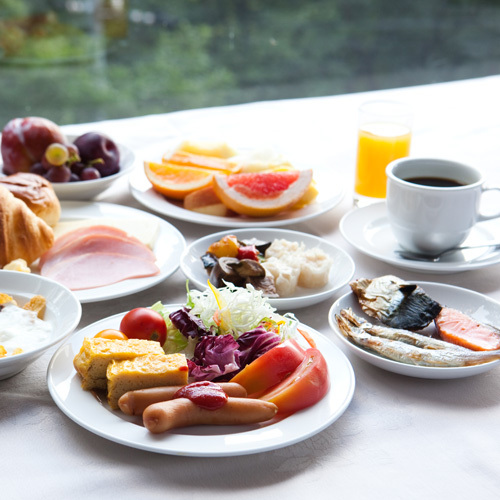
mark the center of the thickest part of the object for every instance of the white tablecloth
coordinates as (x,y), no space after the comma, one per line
(400,437)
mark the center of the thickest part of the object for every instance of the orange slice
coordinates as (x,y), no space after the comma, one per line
(262,194)
(175,181)
(200,161)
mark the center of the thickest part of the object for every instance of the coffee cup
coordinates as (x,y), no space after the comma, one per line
(432,204)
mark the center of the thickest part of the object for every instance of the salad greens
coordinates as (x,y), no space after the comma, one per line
(221,330)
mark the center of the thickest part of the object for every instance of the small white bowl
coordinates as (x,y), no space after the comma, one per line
(63,313)
(86,190)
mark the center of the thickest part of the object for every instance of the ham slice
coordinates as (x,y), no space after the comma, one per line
(97,256)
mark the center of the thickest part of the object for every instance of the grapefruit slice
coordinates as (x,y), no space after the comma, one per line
(175,181)
(262,194)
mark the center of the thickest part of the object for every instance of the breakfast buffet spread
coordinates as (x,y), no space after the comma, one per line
(225,357)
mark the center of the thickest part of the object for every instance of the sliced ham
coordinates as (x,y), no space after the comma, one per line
(97,256)
(100,269)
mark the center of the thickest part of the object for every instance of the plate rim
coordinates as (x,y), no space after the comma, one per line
(433,267)
(148,199)
(339,361)
(280,302)
(430,372)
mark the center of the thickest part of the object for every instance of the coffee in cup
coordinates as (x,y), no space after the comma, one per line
(432,204)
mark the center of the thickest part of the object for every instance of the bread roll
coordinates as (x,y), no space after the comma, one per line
(37,193)
(23,235)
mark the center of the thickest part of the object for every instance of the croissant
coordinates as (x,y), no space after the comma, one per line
(23,235)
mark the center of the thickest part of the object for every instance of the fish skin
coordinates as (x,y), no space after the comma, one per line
(394,345)
(395,302)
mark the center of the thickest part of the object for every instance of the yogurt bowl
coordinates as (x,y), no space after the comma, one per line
(62,315)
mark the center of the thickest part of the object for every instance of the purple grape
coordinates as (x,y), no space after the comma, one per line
(58,174)
(89,174)
(38,168)
(74,178)
(77,167)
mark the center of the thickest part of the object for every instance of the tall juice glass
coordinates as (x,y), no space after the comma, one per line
(384,135)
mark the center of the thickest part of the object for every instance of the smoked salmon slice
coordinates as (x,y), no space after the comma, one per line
(458,328)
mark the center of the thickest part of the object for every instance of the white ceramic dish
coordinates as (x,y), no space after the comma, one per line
(469,302)
(209,441)
(143,192)
(86,190)
(341,272)
(168,247)
(63,313)
(368,230)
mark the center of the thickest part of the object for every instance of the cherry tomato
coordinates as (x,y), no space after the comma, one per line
(270,368)
(144,323)
(304,387)
(111,334)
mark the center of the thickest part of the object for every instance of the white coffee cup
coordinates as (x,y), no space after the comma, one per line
(429,218)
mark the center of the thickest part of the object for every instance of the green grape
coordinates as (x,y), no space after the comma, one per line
(57,154)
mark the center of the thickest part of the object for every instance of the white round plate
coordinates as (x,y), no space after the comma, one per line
(86,190)
(474,304)
(368,230)
(168,247)
(63,313)
(144,193)
(341,271)
(202,441)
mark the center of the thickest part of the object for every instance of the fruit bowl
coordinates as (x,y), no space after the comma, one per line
(86,190)
(63,313)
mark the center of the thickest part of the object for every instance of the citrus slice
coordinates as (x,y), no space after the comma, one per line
(200,161)
(262,194)
(175,181)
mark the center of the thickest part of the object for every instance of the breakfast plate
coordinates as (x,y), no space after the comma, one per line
(472,303)
(341,271)
(168,246)
(62,313)
(144,193)
(368,230)
(202,441)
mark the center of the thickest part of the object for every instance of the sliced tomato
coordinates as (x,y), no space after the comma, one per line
(307,385)
(270,368)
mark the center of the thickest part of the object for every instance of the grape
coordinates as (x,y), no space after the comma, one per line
(58,174)
(74,154)
(74,178)
(89,174)
(77,167)
(57,154)
(37,168)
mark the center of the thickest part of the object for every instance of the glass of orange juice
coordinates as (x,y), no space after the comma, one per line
(384,134)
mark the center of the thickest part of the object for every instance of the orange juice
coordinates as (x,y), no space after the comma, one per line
(378,145)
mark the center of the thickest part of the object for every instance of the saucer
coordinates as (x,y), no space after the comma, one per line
(368,230)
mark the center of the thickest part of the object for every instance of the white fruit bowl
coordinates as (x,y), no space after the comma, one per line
(63,313)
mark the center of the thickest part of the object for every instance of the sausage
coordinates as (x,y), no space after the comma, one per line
(135,402)
(182,412)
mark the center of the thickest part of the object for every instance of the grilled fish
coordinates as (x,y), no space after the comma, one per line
(395,302)
(408,347)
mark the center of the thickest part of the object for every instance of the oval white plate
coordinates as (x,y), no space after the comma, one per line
(168,248)
(474,304)
(202,441)
(63,313)
(341,272)
(368,230)
(143,192)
